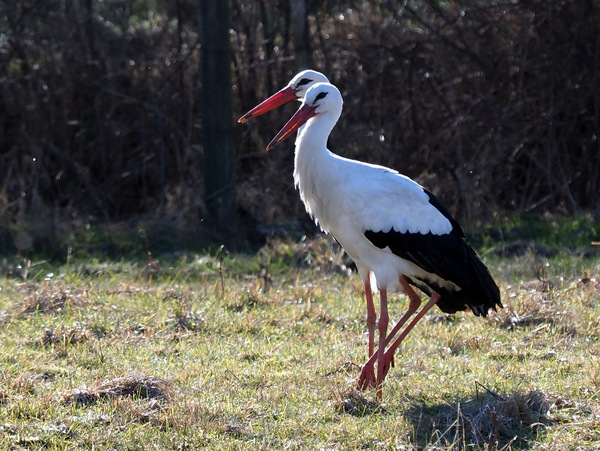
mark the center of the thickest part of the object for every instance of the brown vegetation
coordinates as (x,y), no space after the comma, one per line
(135,386)
(494,105)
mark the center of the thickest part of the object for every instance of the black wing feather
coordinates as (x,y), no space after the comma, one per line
(450,258)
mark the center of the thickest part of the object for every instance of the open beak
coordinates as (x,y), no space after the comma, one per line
(282,97)
(302,115)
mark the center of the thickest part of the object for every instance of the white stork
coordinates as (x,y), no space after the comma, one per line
(393,229)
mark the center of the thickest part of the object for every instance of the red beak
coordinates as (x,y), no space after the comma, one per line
(302,115)
(279,98)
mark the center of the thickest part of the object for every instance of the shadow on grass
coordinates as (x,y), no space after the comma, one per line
(489,420)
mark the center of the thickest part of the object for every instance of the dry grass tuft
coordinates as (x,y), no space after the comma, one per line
(501,418)
(51,298)
(23,384)
(493,420)
(135,386)
(184,317)
(511,319)
(538,303)
(46,301)
(71,336)
(245,302)
(355,403)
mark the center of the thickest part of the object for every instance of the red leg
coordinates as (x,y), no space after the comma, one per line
(368,371)
(414,301)
(389,354)
(382,325)
(371,315)
(367,375)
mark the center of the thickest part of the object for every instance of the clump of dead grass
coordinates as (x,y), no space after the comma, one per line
(52,298)
(245,302)
(70,336)
(22,384)
(492,420)
(500,417)
(184,317)
(133,386)
(537,303)
(46,301)
(355,403)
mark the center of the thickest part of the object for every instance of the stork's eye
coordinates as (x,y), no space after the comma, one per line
(303,82)
(320,96)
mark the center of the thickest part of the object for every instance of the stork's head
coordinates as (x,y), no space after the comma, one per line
(305,80)
(296,89)
(322,99)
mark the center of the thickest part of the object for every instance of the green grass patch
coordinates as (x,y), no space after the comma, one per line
(546,235)
(239,351)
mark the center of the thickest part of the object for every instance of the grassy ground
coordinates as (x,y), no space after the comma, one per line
(237,352)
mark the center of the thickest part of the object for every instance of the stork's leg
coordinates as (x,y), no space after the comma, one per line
(389,354)
(382,325)
(414,301)
(368,373)
(366,379)
(371,316)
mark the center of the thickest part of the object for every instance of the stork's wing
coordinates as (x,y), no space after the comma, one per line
(449,258)
(414,225)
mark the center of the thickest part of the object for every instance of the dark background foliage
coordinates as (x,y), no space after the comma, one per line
(492,104)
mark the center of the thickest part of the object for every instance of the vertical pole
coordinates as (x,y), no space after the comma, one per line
(217,112)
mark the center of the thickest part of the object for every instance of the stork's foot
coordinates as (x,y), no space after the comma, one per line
(367,378)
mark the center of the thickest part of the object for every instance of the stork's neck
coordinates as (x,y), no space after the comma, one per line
(315,166)
(311,143)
